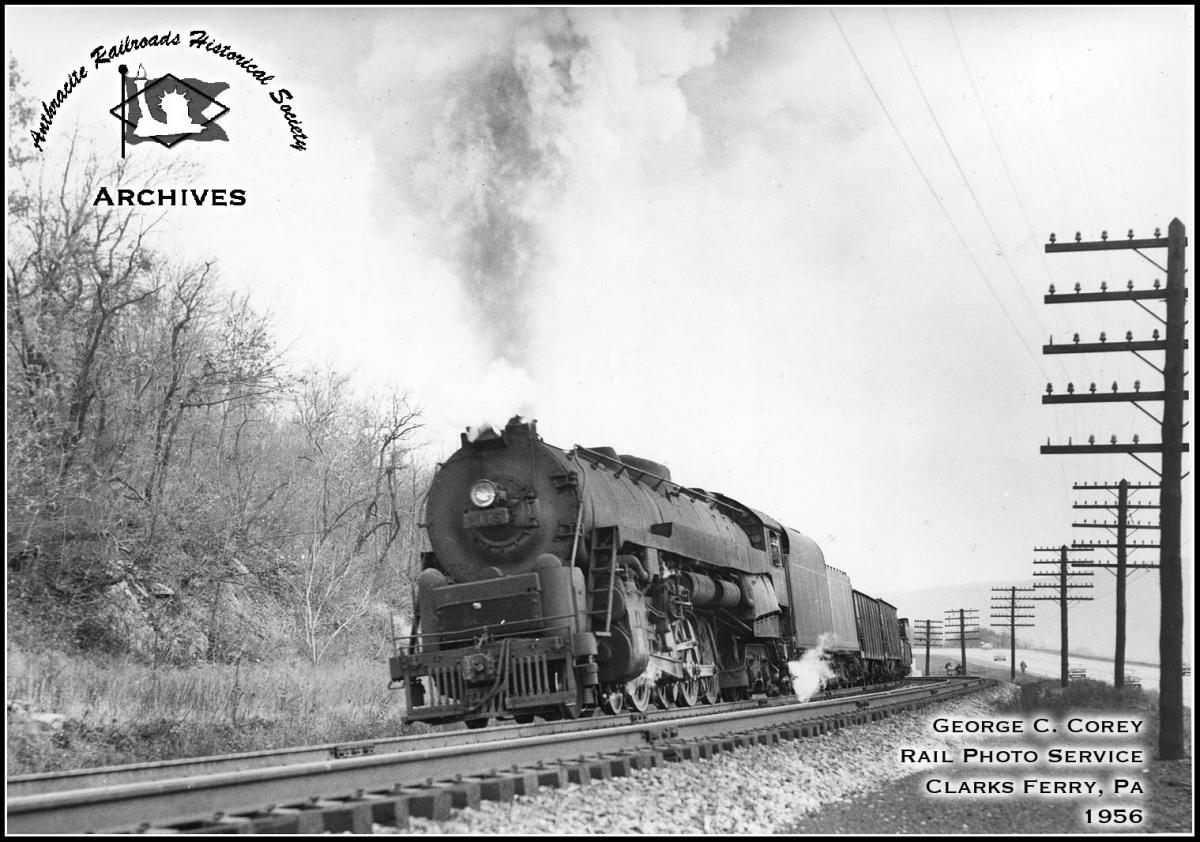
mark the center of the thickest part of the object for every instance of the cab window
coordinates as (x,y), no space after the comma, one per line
(776,553)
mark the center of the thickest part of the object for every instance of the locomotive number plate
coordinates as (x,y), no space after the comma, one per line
(486,517)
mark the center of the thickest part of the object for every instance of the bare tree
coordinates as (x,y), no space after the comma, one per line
(356,463)
(158,444)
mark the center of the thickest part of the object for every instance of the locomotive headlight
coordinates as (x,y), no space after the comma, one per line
(484,493)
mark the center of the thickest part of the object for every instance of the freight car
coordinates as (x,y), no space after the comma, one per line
(560,583)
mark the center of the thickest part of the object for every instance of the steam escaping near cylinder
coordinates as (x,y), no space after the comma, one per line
(811,672)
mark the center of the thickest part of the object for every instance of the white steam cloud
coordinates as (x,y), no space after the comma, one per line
(500,392)
(811,672)
(506,139)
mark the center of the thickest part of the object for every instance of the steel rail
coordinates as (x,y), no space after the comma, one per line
(198,798)
(20,786)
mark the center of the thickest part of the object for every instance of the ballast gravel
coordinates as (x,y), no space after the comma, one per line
(757,789)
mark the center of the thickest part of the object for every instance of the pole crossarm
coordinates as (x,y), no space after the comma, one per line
(1060,449)
(1115,565)
(1107,347)
(1114,504)
(1090,525)
(1128,544)
(1109,397)
(1100,486)
(1115,295)
(1053,247)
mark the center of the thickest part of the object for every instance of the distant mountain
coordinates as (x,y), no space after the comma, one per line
(1092,625)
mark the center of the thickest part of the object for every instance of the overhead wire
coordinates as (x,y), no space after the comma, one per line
(1129,421)
(962,173)
(949,219)
(999,154)
(1000,250)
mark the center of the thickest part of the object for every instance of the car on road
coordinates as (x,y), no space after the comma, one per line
(999,657)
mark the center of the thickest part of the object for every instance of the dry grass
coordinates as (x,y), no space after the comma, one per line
(121,711)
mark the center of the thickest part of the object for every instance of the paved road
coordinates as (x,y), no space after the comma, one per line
(1039,662)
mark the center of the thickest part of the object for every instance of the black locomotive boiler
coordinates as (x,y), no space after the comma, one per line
(562,582)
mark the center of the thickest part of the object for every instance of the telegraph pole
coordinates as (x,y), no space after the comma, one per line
(1123,548)
(925,631)
(962,617)
(1170,633)
(1064,586)
(1172,447)
(1009,617)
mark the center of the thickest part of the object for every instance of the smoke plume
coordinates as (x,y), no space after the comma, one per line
(811,672)
(497,140)
(494,166)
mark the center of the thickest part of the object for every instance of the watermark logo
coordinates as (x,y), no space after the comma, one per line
(168,110)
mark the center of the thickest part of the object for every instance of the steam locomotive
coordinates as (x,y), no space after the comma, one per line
(561,583)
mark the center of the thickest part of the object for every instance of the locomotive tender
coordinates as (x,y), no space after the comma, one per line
(562,582)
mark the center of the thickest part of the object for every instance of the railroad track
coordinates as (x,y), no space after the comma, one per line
(20,786)
(349,787)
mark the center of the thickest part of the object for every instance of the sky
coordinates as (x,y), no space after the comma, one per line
(794,254)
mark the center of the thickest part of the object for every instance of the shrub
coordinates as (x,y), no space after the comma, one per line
(120,711)
(1084,694)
